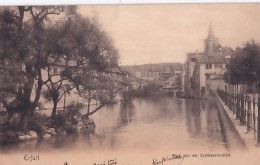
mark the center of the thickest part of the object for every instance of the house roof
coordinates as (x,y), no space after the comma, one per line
(192,55)
(117,70)
(61,62)
(210,59)
(120,70)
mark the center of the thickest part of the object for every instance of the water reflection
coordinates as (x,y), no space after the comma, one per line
(144,124)
(126,113)
(202,120)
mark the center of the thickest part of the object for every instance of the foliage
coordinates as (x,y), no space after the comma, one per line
(33,44)
(148,89)
(195,81)
(23,55)
(86,53)
(68,116)
(244,66)
(42,119)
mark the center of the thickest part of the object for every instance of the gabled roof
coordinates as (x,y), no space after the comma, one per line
(60,61)
(117,70)
(203,59)
(194,54)
(120,70)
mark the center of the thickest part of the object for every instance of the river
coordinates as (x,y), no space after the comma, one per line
(144,124)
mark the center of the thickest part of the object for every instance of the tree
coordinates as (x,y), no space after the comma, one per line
(57,86)
(195,81)
(99,87)
(86,54)
(32,45)
(245,69)
(23,55)
(244,65)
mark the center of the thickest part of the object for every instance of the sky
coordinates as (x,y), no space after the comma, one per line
(165,33)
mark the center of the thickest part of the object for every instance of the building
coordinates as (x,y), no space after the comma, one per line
(55,70)
(189,67)
(204,71)
(168,75)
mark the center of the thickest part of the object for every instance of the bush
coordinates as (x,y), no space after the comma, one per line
(59,120)
(67,119)
(42,119)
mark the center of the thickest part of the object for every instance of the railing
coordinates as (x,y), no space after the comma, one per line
(245,110)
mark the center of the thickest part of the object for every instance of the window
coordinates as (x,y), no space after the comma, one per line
(207,77)
(208,66)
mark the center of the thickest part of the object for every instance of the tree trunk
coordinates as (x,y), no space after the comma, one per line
(89,100)
(54,109)
(88,105)
(94,111)
(64,102)
(27,120)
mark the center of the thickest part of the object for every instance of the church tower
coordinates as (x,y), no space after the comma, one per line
(211,45)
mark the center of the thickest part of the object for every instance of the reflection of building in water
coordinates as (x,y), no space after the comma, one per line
(196,117)
(193,117)
(213,125)
(179,109)
(202,120)
(189,117)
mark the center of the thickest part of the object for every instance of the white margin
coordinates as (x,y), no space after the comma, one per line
(106,2)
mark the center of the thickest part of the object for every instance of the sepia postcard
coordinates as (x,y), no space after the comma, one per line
(150,84)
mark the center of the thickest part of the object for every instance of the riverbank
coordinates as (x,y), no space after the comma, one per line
(240,131)
(45,127)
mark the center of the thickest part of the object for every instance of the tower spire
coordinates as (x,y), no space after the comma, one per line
(211,43)
(210,33)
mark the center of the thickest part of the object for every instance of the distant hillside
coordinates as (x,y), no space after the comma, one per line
(160,67)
